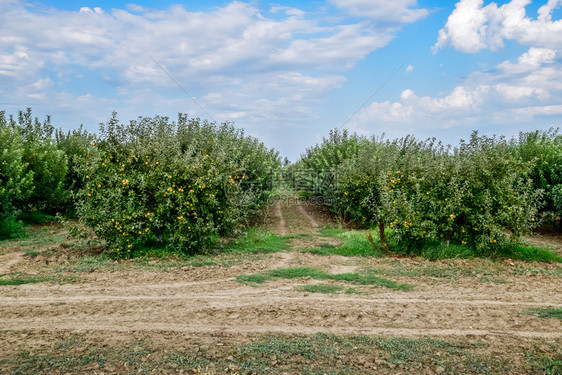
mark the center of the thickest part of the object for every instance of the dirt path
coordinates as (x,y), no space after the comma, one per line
(8,261)
(281,228)
(208,301)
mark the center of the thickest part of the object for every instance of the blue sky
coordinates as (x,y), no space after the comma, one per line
(289,71)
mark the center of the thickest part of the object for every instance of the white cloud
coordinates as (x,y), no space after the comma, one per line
(460,99)
(266,70)
(16,63)
(333,52)
(383,11)
(409,68)
(472,27)
(511,93)
(537,56)
(545,110)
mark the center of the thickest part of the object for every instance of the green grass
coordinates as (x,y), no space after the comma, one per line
(531,254)
(453,251)
(355,243)
(316,274)
(32,253)
(279,354)
(328,289)
(546,312)
(550,365)
(21,281)
(35,237)
(36,217)
(518,270)
(321,288)
(527,253)
(253,279)
(255,241)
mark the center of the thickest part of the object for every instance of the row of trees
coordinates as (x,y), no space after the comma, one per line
(33,170)
(484,193)
(149,182)
(181,184)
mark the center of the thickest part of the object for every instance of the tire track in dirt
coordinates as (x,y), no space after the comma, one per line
(284,260)
(313,223)
(8,261)
(240,314)
(281,227)
(14,301)
(239,309)
(227,329)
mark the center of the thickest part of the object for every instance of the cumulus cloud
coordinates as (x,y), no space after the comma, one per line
(472,26)
(382,11)
(239,62)
(537,56)
(511,92)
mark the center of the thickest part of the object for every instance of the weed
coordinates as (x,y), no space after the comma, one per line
(295,354)
(438,251)
(321,288)
(537,271)
(354,291)
(328,289)
(253,279)
(90,264)
(542,362)
(531,254)
(21,281)
(355,243)
(36,217)
(298,272)
(486,279)
(257,241)
(546,312)
(302,272)
(32,253)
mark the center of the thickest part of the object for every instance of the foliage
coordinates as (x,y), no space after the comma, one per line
(48,164)
(180,184)
(32,171)
(75,144)
(16,180)
(544,150)
(475,195)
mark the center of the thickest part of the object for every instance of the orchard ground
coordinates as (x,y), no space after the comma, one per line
(277,307)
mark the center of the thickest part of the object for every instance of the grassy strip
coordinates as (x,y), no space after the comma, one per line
(328,289)
(21,281)
(355,243)
(321,288)
(531,253)
(257,241)
(277,354)
(546,312)
(437,251)
(316,274)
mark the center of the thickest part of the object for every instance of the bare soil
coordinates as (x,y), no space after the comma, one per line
(455,299)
